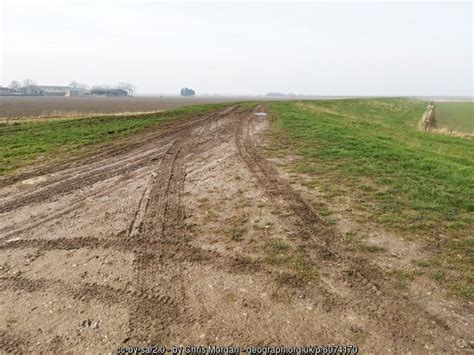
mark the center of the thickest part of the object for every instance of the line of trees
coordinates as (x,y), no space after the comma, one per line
(15,85)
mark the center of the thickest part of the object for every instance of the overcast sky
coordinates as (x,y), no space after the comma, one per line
(337,48)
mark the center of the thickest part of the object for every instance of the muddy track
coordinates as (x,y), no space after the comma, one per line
(159,242)
(102,169)
(162,221)
(165,131)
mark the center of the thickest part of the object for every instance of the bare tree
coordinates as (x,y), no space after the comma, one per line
(28,82)
(15,85)
(129,88)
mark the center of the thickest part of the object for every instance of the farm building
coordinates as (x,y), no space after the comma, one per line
(6,91)
(77,92)
(45,90)
(108,92)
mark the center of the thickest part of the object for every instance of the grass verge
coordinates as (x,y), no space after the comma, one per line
(397,176)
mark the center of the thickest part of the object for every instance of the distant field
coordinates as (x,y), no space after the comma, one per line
(15,107)
(457,116)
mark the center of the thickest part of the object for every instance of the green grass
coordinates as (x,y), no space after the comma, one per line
(24,143)
(457,116)
(280,254)
(418,183)
(402,278)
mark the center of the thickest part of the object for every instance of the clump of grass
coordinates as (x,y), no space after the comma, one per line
(421,263)
(236,227)
(401,278)
(236,234)
(279,245)
(326,215)
(230,297)
(281,254)
(466,291)
(438,275)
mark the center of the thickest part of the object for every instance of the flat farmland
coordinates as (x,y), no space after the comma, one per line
(247,223)
(29,107)
(455,115)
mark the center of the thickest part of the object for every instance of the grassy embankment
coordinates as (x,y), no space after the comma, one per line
(24,143)
(416,183)
(455,116)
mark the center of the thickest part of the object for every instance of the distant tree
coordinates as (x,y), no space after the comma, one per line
(15,85)
(129,88)
(187,92)
(28,82)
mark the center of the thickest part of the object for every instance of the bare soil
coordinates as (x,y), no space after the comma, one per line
(188,235)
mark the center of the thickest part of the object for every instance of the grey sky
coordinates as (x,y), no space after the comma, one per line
(242,48)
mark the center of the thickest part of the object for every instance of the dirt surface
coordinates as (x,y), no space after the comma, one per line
(189,236)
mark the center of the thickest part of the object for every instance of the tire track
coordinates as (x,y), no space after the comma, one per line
(89,291)
(88,196)
(137,221)
(166,131)
(75,183)
(14,343)
(364,281)
(163,227)
(87,175)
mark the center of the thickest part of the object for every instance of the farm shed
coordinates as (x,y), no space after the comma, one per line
(6,91)
(41,90)
(77,92)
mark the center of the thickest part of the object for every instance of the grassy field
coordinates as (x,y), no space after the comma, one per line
(416,183)
(23,143)
(457,116)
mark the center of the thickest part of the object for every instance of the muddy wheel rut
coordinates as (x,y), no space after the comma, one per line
(166,241)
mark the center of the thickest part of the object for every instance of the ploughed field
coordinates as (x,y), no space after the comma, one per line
(227,225)
(31,106)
